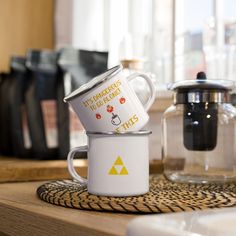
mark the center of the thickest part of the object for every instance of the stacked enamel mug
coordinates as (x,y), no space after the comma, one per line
(113,117)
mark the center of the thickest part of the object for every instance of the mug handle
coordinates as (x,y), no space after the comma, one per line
(71,168)
(152,97)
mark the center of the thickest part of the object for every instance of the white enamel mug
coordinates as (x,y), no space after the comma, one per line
(118,163)
(109,103)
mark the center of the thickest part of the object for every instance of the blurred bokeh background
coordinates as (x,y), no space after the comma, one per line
(50,47)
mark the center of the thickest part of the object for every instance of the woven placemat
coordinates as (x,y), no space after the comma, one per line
(164,196)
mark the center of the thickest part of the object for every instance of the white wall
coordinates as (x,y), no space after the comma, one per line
(88,29)
(63,23)
(102,25)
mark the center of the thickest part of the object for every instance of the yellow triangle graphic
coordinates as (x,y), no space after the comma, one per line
(124,171)
(113,171)
(118,162)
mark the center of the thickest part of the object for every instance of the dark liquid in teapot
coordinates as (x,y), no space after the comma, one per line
(200,126)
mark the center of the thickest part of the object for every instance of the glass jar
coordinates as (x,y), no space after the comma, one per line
(198,132)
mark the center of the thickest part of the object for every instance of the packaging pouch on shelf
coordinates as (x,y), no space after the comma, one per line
(5,118)
(46,111)
(21,140)
(78,67)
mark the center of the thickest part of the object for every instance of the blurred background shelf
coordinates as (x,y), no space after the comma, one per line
(14,170)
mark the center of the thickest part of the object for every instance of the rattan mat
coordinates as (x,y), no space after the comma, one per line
(164,196)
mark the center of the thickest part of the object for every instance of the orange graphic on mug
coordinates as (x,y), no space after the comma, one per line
(98,116)
(110,108)
(122,100)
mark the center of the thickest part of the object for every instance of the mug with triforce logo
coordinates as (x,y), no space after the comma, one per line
(118,163)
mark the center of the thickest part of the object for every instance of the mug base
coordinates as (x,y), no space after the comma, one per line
(110,194)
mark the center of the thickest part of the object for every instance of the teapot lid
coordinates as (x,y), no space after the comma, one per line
(202,90)
(202,83)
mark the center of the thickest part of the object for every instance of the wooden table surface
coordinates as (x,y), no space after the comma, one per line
(23,213)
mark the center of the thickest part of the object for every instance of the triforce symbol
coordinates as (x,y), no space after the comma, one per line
(118,168)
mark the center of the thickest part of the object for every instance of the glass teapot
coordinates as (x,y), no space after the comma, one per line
(199,132)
